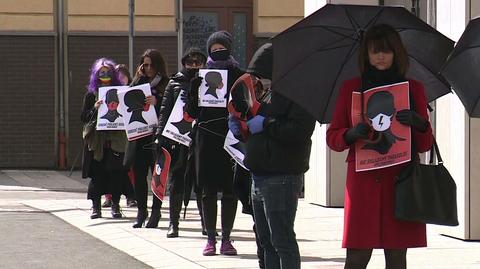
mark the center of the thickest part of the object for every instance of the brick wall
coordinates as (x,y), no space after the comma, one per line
(27,103)
(83,51)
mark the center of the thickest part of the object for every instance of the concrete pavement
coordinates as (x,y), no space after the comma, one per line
(42,197)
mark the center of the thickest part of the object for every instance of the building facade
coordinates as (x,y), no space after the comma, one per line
(456,133)
(48,47)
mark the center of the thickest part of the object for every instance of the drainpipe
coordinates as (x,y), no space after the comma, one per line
(416,8)
(179,25)
(131,34)
(61,60)
(432,21)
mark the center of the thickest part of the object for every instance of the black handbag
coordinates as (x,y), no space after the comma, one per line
(89,127)
(426,193)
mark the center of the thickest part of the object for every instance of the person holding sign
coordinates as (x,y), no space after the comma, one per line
(212,163)
(139,155)
(369,197)
(277,154)
(125,80)
(103,150)
(192,61)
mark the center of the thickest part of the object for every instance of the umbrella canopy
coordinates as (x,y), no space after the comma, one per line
(313,57)
(461,69)
(160,174)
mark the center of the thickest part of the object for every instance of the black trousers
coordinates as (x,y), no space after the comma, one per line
(144,161)
(178,166)
(229,206)
(105,181)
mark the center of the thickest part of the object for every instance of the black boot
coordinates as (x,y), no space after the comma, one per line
(116,214)
(154,218)
(96,209)
(142,215)
(175,208)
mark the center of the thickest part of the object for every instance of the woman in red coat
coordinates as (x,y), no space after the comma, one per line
(369,196)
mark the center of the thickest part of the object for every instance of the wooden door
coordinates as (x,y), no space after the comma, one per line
(201,18)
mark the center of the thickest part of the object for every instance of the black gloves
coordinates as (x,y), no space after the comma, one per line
(361,130)
(184,96)
(194,85)
(411,118)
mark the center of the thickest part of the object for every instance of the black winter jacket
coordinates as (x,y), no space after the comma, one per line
(212,163)
(143,143)
(180,81)
(284,145)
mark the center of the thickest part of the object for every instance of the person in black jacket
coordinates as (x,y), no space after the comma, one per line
(260,73)
(277,155)
(213,166)
(192,61)
(139,153)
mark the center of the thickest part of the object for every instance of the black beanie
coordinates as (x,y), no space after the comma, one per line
(193,51)
(220,37)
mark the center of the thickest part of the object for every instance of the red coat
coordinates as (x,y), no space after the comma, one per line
(369,196)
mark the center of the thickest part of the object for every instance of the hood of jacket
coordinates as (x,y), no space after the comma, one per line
(261,63)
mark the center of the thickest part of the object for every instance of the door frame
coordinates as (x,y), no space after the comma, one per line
(226,10)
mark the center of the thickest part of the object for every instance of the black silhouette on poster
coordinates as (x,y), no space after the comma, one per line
(380,111)
(135,101)
(111,99)
(213,82)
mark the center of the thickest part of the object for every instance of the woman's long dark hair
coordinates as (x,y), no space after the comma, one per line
(384,38)
(157,62)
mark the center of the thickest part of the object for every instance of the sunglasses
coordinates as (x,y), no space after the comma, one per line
(193,62)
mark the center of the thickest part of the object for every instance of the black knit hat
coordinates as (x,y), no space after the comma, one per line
(220,37)
(193,51)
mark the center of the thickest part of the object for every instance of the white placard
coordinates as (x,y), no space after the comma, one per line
(178,125)
(108,116)
(140,118)
(213,90)
(235,148)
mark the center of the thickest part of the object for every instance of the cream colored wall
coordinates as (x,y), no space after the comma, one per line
(274,16)
(26,15)
(475,158)
(457,134)
(112,15)
(356,2)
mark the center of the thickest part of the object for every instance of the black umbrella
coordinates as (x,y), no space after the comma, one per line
(462,68)
(313,57)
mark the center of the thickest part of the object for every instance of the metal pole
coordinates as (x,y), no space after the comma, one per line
(432,20)
(416,8)
(179,32)
(62,140)
(131,34)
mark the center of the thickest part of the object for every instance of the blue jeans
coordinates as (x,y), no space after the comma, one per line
(275,200)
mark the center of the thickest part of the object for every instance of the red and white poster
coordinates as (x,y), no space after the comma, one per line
(389,141)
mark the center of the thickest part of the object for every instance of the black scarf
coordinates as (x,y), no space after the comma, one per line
(373,77)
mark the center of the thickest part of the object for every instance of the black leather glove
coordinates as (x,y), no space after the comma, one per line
(360,131)
(184,96)
(411,118)
(194,86)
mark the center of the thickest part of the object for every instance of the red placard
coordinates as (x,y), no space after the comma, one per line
(390,141)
